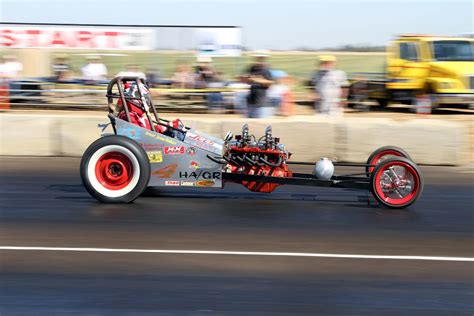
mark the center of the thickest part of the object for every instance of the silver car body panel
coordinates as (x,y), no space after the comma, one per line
(174,162)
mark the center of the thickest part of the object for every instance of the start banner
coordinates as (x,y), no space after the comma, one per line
(113,38)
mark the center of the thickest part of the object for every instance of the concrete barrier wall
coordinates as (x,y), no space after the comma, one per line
(309,138)
(26,135)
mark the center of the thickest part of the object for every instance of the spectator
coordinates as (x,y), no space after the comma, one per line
(331,87)
(183,78)
(207,77)
(278,90)
(204,72)
(94,71)
(11,67)
(60,68)
(260,79)
(153,77)
(240,94)
(132,71)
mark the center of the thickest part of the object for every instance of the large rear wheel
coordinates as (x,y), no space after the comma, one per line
(396,182)
(115,169)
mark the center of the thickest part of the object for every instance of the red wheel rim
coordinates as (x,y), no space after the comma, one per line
(400,189)
(114,170)
(382,154)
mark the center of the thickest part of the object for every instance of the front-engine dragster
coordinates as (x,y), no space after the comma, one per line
(148,151)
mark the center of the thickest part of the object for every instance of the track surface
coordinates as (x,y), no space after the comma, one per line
(44,204)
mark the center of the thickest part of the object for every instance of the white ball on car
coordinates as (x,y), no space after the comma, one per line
(324,169)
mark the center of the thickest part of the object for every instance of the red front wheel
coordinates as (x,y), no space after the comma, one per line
(396,182)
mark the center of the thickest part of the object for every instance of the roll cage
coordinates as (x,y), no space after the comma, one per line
(144,100)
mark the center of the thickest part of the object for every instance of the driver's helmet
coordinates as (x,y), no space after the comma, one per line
(131,89)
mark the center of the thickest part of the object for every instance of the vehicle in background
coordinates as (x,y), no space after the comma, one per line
(440,67)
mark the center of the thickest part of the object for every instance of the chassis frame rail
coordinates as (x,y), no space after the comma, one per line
(362,183)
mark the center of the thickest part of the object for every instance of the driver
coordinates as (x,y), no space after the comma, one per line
(137,111)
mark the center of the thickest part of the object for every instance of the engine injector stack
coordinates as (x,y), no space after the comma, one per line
(265,157)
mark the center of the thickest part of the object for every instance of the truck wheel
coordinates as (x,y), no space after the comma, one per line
(396,182)
(382,102)
(115,169)
(352,99)
(357,94)
(382,154)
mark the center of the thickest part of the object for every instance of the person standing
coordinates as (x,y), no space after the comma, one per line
(204,72)
(260,79)
(183,78)
(207,77)
(330,87)
(60,69)
(11,67)
(94,71)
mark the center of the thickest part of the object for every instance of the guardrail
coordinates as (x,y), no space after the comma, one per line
(41,94)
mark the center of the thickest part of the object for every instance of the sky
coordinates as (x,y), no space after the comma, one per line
(267,24)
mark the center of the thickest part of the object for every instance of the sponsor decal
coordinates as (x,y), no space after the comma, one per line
(160,137)
(174,150)
(201,139)
(172,183)
(195,165)
(203,142)
(187,183)
(206,175)
(151,147)
(205,183)
(166,172)
(191,151)
(155,156)
(130,133)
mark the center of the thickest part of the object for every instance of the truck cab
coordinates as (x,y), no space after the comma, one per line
(441,67)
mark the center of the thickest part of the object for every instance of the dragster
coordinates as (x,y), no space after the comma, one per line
(146,150)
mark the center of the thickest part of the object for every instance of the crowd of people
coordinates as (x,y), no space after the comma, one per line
(259,92)
(250,88)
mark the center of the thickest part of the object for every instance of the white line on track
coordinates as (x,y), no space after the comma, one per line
(240,253)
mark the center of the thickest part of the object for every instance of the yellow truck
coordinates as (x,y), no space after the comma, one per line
(440,67)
